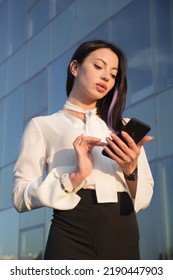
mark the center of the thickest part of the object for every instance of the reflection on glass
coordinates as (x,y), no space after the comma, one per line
(163,11)
(164,118)
(86,15)
(66,22)
(150,224)
(57,82)
(3,30)
(37,52)
(16,69)
(32,218)
(31,244)
(36,96)
(101,33)
(6,184)
(131,30)
(13,125)
(9,235)
(1,129)
(56,7)
(2,80)
(167,195)
(37,16)
(17,24)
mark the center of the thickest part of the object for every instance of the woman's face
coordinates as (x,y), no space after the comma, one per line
(96,76)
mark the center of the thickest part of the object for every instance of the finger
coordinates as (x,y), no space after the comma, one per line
(78,140)
(145,140)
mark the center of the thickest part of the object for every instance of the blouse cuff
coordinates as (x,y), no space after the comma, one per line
(65,183)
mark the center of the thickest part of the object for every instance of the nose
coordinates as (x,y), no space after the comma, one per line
(105,76)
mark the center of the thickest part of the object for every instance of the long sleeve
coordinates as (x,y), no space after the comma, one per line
(31,190)
(145,183)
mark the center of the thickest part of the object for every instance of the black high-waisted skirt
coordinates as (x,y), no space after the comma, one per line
(94,231)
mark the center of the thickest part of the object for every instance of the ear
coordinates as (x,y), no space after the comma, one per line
(74,66)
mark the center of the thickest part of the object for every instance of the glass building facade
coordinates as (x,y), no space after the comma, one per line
(37,39)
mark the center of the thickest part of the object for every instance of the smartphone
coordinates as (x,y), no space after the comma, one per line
(136,129)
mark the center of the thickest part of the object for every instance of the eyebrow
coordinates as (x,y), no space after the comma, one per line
(114,68)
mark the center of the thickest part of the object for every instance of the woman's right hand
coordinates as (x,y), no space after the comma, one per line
(83,146)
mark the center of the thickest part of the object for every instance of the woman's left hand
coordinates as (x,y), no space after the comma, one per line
(126,155)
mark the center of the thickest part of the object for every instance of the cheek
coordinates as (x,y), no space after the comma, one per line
(111,84)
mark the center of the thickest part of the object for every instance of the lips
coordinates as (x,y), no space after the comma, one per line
(101,87)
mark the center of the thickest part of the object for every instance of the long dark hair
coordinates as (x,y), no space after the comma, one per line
(111,106)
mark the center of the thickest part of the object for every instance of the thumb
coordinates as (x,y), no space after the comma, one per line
(145,140)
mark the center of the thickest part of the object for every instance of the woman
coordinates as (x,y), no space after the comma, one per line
(94,198)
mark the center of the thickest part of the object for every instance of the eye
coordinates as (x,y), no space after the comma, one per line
(113,76)
(97,66)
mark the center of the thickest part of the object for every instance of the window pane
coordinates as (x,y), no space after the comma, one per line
(3,30)
(58,71)
(150,224)
(56,7)
(117,5)
(36,96)
(13,125)
(2,80)
(164,118)
(1,129)
(16,70)
(32,218)
(5,187)
(144,111)
(131,30)
(62,32)
(37,17)
(17,24)
(31,244)
(102,32)
(90,14)
(167,195)
(163,43)
(37,52)
(9,234)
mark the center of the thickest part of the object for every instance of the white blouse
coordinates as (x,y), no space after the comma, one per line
(47,153)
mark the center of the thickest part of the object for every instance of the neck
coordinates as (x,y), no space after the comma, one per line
(86,105)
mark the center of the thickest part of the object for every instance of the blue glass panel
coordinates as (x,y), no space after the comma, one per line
(36,96)
(16,69)
(9,236)
(31,244)
(3,30)
(17,24)
(13,125)
(116,6)
(38,16)
(56,7)
(32,218)
(130,28)
(163,43)
(57,83)
(1,129)
(151,224)
(164,118)
(145,112)
(37,52)
(62,32)
(100,33)
(90,14)
(6,184)
(2,80)
(167,206)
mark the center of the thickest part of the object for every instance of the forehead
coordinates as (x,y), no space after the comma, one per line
(107,55)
